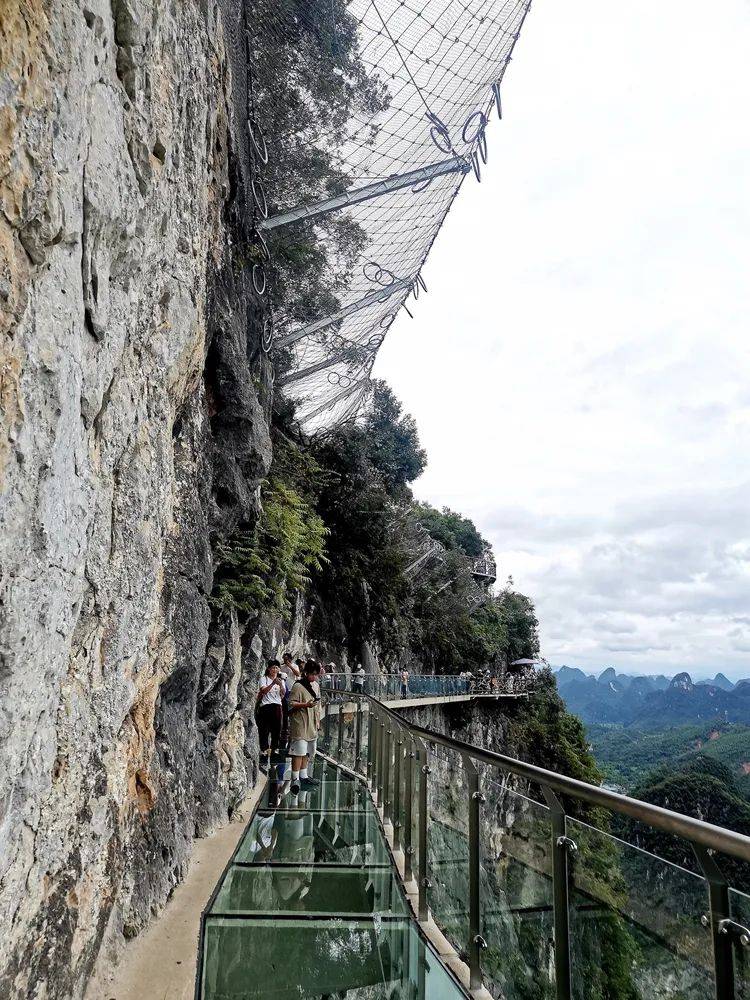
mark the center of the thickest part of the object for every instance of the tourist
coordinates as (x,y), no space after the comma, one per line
(269,714)
(290,669)
(291,672)
(358,680)
(313,744)
(304,722)
(404,682)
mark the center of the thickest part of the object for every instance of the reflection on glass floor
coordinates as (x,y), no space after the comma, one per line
(309,889)
(310,907)
(327,795)
(348,837)
(311,959)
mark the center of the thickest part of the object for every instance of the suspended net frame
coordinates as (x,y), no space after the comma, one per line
(363,119)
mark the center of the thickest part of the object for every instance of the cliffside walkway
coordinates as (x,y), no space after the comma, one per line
(506,888)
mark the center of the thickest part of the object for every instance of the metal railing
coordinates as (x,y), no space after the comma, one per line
(470,840)
(390,686)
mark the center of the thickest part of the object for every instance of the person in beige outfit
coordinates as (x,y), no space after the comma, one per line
(304,722)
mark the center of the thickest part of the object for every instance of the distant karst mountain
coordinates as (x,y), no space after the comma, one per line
(652,702)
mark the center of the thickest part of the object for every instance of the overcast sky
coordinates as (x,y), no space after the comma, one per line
(579,370)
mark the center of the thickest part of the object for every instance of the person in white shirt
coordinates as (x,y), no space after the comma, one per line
(358,679)
(271,694)
(404,682)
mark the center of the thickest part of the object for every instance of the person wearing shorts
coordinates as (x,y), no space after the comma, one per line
(304,719)
(269,713)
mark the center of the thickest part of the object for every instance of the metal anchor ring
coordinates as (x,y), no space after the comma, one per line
(259,279)
(439,133)
(474,127)
(259,197)
(267,336)
(261,242)
(258,140)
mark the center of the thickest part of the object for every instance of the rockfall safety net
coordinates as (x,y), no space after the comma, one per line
(363,120)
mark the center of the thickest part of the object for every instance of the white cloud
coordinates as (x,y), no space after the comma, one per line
(579,370)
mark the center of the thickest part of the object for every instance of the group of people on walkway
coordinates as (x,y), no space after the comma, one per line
(288,717)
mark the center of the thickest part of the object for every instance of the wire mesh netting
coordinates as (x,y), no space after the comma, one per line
(364,118)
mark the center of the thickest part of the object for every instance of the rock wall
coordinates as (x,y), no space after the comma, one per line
(134,428)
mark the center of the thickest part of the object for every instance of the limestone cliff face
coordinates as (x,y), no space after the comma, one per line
(134,426)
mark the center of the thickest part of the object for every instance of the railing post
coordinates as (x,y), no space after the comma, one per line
(328,723)
(562,846)
(398,749)
(374,734)
(340,735)
(358,736)
(381,761)
(408,809)
(476,941)
(387,799)
(718,898)
(423,883)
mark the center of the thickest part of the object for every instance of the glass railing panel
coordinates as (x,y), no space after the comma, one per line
(388,686)
(398,790)
(739,908)
(448,847)
(635,923)
(343,749)
(333,837)
(328,735)
(295,959)
(516,895)
(307,888)
(365,736)
(416,765)
(323,770)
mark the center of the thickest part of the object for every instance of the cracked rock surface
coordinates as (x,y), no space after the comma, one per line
(130,433)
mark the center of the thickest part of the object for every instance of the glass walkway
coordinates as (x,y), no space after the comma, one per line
(520,868)
(310,906)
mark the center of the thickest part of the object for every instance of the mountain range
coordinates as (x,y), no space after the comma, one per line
(652,702)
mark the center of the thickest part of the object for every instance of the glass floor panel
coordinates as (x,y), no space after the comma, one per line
(333,837)
(327,795)
(271,889)
(322,770)
(293,959)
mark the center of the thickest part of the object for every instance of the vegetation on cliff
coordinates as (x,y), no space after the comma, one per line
(339,523)
(628,755)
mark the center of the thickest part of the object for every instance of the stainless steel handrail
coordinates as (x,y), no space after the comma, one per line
(715,838)
(396,746)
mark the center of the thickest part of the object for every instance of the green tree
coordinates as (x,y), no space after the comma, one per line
(261,566)
(452,530)
(521,622)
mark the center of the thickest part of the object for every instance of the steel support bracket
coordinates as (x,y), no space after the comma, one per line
(719,921)
(568,844)
(560,894)
(738,932)
(355,196)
